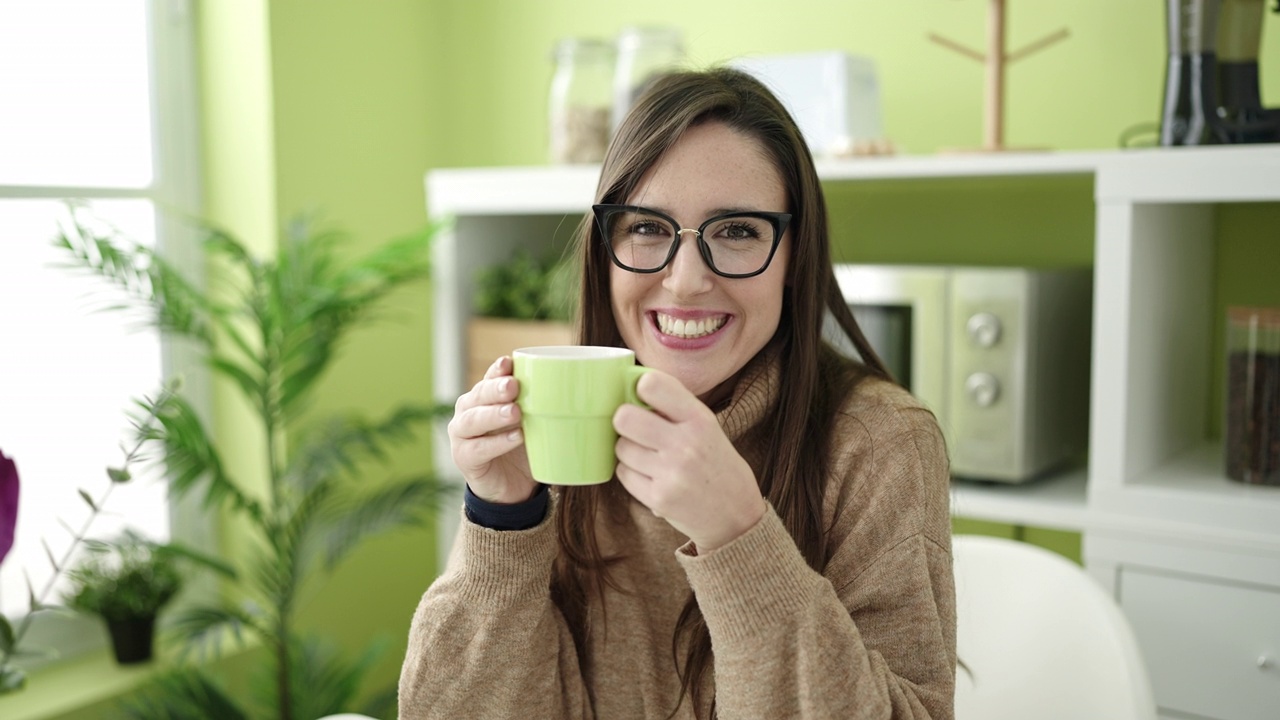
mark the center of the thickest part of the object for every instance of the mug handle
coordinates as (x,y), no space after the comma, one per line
(632,378)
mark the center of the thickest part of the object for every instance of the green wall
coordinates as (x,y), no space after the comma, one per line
(338,107)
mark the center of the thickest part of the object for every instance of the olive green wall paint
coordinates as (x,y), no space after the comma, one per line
(1247,273)
(239,195)
(1066,544)
(988,221)
(357,107)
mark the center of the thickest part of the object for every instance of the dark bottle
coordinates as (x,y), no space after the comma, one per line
(1243,119)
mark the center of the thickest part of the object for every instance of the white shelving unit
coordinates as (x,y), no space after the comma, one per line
(1192,557)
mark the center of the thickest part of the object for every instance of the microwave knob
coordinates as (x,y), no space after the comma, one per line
(984,329)
(984,388)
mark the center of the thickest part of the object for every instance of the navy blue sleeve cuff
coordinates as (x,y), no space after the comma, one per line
(495,516)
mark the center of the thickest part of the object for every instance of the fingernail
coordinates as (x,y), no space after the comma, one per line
(508,410)
(506,384)
(513,435)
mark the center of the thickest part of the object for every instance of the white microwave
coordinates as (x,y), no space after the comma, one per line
(1000,355)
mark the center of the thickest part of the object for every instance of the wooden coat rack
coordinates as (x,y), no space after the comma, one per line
(996,59)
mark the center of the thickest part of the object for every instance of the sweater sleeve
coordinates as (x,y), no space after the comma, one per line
(873,636)
(487,641)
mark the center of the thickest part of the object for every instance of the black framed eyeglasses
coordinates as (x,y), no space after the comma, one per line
(733,245)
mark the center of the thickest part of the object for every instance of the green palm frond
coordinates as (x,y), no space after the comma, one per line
(203,629)
(199,559)
(319,302)
(252,386)
(324,683)
(221,242)
(394,505)
(182,695)
(190,457)
(294,550)
(342,443)
(402,260)
(150,284)
(276,577)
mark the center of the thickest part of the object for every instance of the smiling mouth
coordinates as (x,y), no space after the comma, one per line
(689,329)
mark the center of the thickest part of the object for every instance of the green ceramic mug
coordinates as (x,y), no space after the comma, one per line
(568,394)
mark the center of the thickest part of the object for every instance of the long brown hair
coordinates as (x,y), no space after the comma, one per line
(792,466)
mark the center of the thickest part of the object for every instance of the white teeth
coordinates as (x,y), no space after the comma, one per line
(677,327)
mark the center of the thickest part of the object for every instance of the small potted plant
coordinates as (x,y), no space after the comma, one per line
(126,582)
(522,302)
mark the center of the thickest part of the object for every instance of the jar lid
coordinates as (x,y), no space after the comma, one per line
(1266,317)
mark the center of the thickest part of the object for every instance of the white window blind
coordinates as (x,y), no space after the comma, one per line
(95,104)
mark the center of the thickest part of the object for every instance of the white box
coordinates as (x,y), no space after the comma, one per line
(833,96)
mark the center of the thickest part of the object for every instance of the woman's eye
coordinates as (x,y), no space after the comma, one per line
(740,231)
(646,228)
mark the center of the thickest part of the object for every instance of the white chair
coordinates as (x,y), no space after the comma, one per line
(1041,639)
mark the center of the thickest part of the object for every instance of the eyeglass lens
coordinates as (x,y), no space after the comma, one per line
(739,244)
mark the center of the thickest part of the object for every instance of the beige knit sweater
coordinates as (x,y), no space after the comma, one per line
(873,636)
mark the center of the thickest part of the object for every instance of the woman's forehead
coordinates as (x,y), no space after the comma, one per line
(711,166)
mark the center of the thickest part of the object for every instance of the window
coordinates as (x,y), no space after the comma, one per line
(96,103)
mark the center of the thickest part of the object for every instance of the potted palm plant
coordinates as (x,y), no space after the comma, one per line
(272,326)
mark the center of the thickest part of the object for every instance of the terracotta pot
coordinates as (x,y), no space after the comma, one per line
(490,338)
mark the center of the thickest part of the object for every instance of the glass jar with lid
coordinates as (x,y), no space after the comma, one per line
(642,53)
(579,104)
(1253,395)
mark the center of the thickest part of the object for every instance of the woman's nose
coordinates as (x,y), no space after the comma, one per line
(687,274)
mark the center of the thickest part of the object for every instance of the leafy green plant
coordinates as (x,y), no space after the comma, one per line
(132,577)
(12,650)
(273,326)
(126,579)
(526,288)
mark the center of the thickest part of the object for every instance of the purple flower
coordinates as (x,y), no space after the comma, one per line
(8,503)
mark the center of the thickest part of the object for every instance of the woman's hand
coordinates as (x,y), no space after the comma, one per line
(676,461)
(485,438)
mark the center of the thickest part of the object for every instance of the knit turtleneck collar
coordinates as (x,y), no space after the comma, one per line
(753,395)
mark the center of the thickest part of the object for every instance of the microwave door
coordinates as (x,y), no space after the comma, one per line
(888,329)
(902,309)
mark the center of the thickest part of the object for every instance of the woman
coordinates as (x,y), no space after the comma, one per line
(780,504)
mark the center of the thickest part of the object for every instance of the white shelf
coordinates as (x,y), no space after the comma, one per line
(1192,489)
(1243,173)
(963,165)
(511,190)
(1056,502)
(1199,473)
(1154,235)
(1212,174)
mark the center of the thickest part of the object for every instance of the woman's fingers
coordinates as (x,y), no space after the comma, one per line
(478,451)
(485,420)
(633,454)
(497,387)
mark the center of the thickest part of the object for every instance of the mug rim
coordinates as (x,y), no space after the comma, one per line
(573,352)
